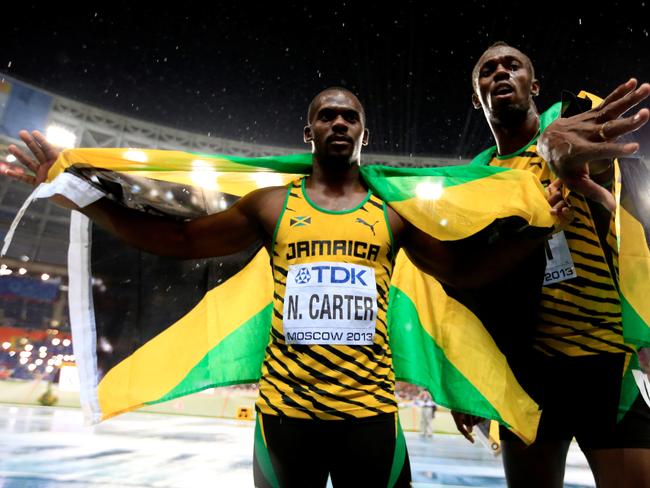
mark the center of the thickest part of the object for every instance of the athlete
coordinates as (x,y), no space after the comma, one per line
(565,346)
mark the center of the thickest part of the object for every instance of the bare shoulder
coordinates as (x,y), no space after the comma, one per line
(264,205)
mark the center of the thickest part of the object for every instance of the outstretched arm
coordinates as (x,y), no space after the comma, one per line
(453,263)
(580,149)
(214,235)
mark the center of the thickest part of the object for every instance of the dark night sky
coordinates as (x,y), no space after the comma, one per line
(248,73)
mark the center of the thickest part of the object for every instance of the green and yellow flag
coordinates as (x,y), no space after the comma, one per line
(148,329)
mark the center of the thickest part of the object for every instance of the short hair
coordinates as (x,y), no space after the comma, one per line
(312,104)
(531,68)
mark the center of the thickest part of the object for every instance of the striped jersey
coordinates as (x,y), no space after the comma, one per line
(580,315)
(328,355)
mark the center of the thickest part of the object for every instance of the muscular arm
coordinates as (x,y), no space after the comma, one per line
(219,234)
(451,263)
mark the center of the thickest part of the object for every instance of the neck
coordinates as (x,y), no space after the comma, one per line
(511,136)
(335,175)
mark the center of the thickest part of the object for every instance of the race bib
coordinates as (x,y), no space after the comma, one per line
(330,303)
(559,263)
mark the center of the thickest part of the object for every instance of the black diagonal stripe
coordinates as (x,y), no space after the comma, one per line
(277,334)
(287,400)
(528,154)
(581,281)
(576,224)
(339,368)
(588,256)
(585,347)
(577,237)
(317,374)
(582,309)
(294,195)
(568,287)
(280,282)
(288,209)
(268,402)
(378,205)
(603,273)
(278,297)
(280,270)
(347,357)
(581,212)
(593,323)
(277,313)
(364,209)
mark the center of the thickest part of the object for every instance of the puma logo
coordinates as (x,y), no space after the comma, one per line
(372,226)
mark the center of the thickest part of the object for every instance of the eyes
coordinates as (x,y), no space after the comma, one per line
(328,115)
(510,64)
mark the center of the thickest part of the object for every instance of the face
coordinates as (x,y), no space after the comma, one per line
(336,127)
(503,81)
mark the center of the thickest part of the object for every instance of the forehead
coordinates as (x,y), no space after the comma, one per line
(500,52)
(337,100)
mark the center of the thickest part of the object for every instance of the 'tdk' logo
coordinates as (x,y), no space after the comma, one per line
(303,276)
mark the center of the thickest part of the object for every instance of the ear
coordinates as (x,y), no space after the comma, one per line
(307,134)
(364,139)
(476,102)
(534,88)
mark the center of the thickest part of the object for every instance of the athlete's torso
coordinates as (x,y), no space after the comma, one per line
(328,355)
(581,313)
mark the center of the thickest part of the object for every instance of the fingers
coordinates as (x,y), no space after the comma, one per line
(48,149)
(16,173)
(619,92)
(464,425)
(616,128)
(33,146)
(607,150)
(617,107)
(23,158)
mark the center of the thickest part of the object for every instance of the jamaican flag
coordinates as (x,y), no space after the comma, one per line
(149,329)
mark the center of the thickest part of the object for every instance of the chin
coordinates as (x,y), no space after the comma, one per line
(510,113)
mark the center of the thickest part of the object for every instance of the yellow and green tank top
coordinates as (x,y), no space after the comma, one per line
(328,355)
(581,315)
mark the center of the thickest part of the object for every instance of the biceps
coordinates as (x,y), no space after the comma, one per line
(221,234)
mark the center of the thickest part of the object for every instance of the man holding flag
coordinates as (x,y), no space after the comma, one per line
(566,347)
(326,402)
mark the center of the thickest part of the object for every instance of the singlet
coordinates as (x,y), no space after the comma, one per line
(580,310)
(328,355)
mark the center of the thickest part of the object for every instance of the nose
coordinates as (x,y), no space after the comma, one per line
(339,124)
(501,72)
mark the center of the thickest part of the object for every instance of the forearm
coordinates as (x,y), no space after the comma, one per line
(157,235)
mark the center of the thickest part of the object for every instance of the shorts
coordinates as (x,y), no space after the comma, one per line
(579,398)
(293,452)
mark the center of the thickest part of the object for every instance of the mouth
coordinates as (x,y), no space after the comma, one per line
(339,140)
(503,90)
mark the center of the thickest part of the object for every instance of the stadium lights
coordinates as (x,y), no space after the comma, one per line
(59,136)
(22,271)
(66,342)
(135,156)
(56,342)
(45,276)
(4,271)
(49,369)
(23,360)
(10,158)
(42,349)
(428,190)
(6,345)
(38,362)
(31,367)
(29,347)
